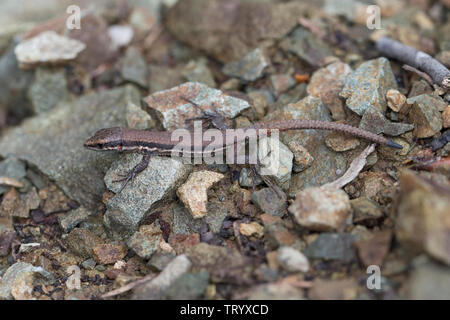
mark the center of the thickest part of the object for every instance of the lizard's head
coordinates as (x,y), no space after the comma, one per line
(105,139)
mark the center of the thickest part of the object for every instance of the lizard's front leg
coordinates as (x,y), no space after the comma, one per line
(141,166)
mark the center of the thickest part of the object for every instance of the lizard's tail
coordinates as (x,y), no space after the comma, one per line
(285,125)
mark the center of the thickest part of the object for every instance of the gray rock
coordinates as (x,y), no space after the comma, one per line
(281,83)
(429,281)
(331,164)
(198,71)
(275,160)
(321,209)
(49,87)
(190,286)
(146,241)
(48,47)
(332,246)
(53,141)
(14,84)
(307,46)
(269,202)
(6,238)
(365,211)
(11,168)
(247,179)
(155,184)
(71,219)
(15,279)
(89,264)
(156,288)
(374,121)
(292,260)
(183,222)
(133,67)
(249,68)
(425,115)
(172,111)
(367,86)
(160,260)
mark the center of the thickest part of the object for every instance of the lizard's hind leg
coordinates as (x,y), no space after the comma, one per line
(141,166)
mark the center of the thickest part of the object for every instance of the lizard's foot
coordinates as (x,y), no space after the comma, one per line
(213,116)
(255,173)
(133,172)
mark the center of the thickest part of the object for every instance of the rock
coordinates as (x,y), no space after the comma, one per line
(428,281)
(331,164)
(395,100)
(373,249)
(48,89)
(425,115)
(7,236)
(181,242)
(302,158)
(19,205)
(198,71)
(346,289)
(275,160)
(367,86)
(276,234)
(365,211)
(82,241)
(340,142)
(332,246)
(418,88)
(268,201)
(235,268)
(133,67)
(138,118)
(422,224)
(280,290)
(108,253)
(89,264)
(248,179)
(156,288)
(321,209)
(47,48)
(163,77)
(251,229)
(292,260)
(12,168)
(70,220)
(61,133)
(326,83)
(159,260)
(146,241)
(197,23)
(446,117)
(281,83)
(249,68)
(28,247)
(155,184)
(18,281)
(374,121)
(307,46)
(169,107)
(121,36)
(193,193)
(99,46)
(189,286)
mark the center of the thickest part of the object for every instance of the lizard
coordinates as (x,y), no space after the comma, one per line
(149,143)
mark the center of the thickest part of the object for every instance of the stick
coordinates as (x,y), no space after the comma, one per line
(419,73)
(415,58)
(128,286)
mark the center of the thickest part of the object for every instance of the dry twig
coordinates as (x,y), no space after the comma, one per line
(128,286)
(416,59)
(353,170)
